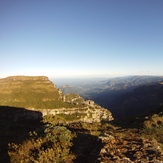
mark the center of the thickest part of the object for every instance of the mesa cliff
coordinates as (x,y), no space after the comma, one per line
(40,94)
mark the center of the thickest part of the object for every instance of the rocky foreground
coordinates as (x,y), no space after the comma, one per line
(129,149)
(117,145)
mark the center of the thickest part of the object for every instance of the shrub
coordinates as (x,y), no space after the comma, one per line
(154,120)
(52,147)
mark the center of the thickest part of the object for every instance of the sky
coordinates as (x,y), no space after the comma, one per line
(81,38)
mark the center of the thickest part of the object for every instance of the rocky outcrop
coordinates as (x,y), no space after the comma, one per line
(129,149)
(40,94)
(87,114)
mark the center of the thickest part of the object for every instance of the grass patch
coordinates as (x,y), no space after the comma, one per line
(71,117)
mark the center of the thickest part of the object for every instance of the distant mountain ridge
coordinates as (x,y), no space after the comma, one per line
(88,89)
(40,94)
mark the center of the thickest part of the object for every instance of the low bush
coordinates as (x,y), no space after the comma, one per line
(52,147)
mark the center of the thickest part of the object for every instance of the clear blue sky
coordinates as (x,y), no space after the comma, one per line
(81,38)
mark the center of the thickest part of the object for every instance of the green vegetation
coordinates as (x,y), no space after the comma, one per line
(71,117)
(55,120)
(155,134)
(38,94)
(153,127)
(52,147)
(63,118)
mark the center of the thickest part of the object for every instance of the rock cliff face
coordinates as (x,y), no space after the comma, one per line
(40,94)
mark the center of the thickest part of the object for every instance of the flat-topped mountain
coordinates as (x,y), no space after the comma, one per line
(39,93)
(29,92)
(25,78)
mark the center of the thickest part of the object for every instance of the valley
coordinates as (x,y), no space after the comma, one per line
(123,96)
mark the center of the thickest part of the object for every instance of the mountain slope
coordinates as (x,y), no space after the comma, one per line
(39,93)
(138,101)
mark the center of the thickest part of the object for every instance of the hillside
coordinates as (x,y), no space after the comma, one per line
(140,100)
(79,131)
(40,94)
